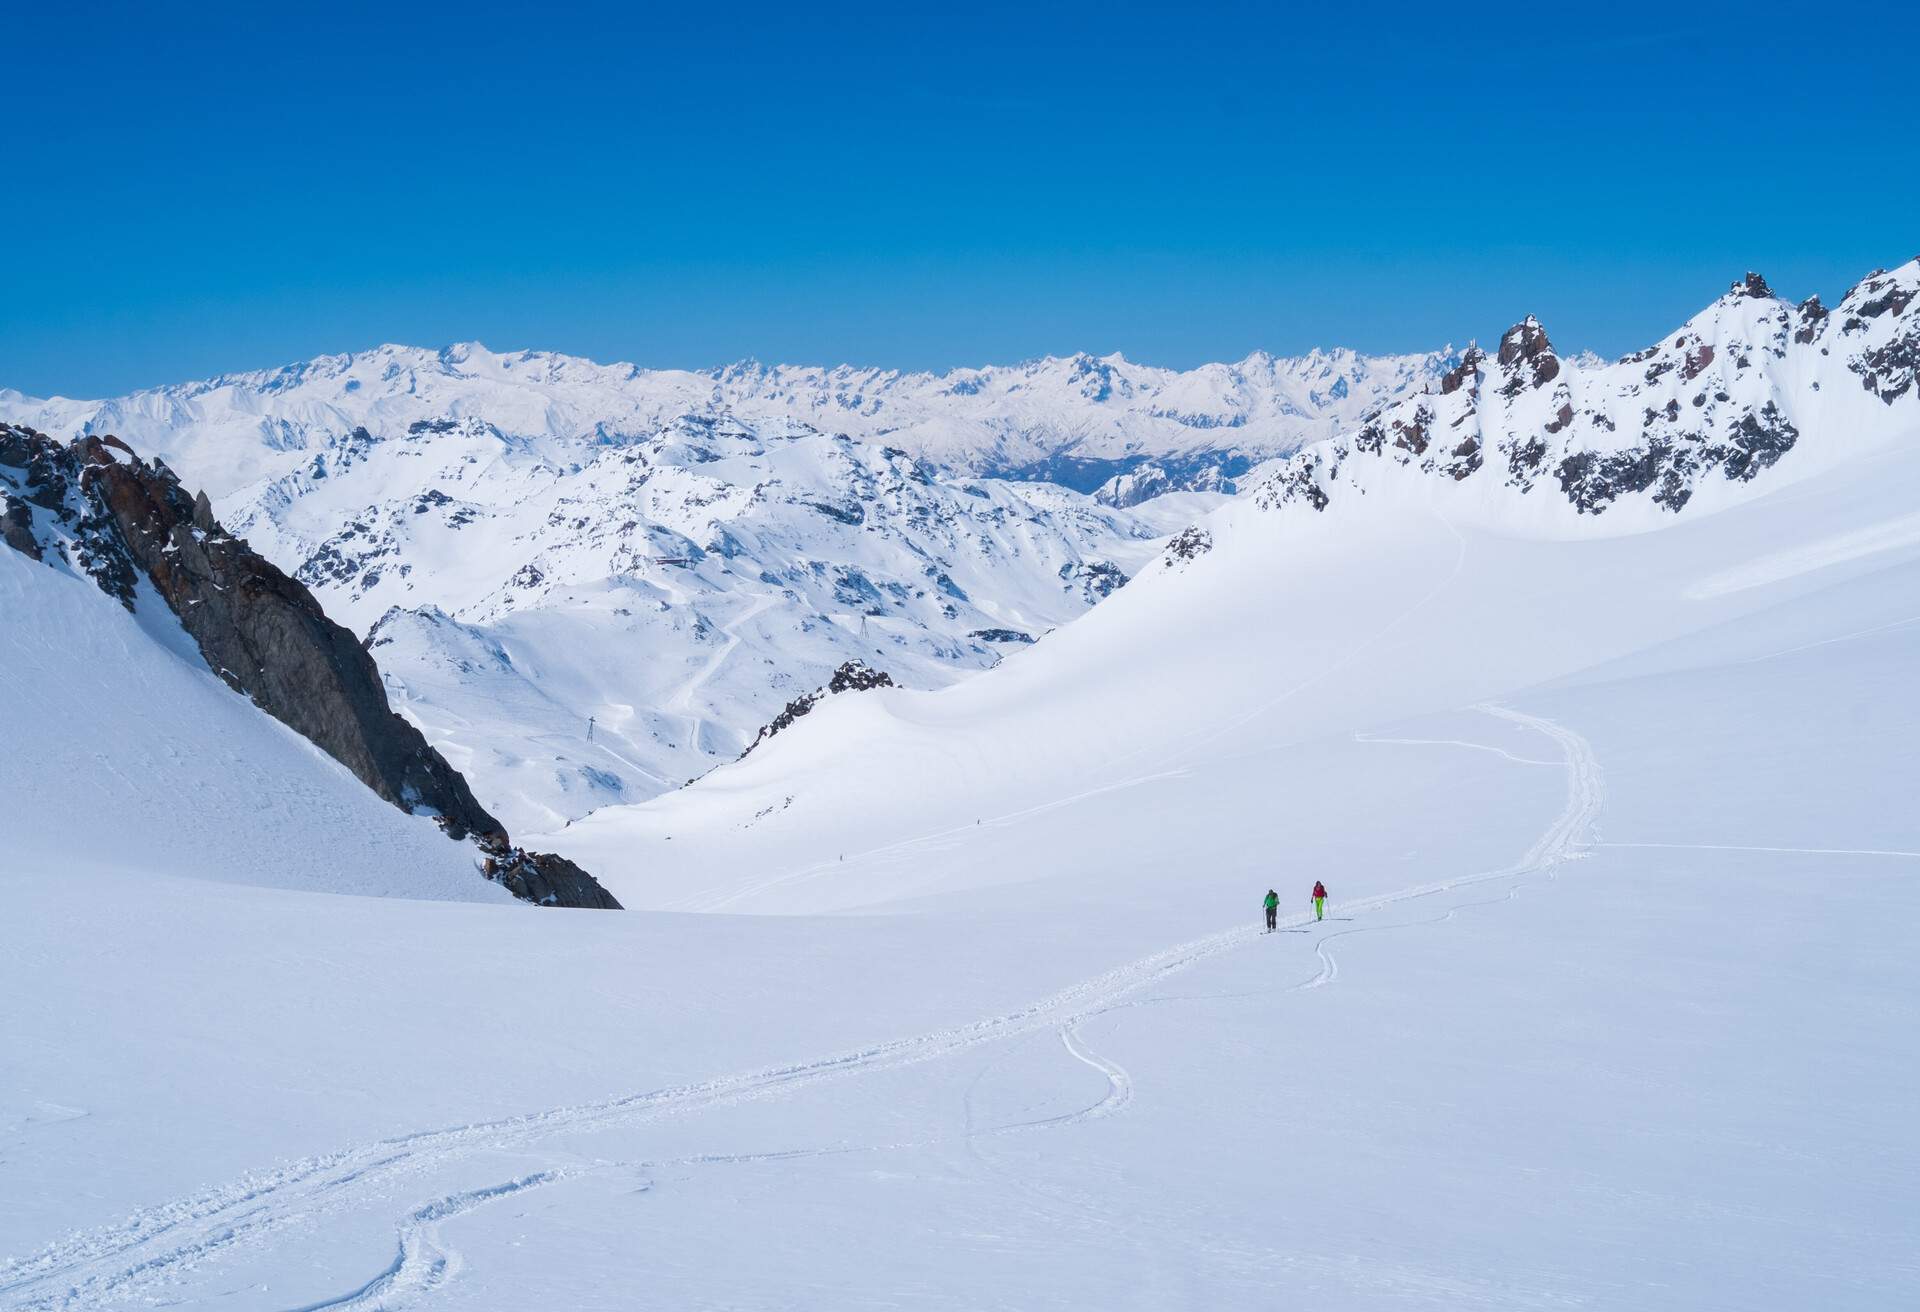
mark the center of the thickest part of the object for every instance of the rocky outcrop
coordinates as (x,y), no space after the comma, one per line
(545,879)
(125,522)
(1527,356)
(1720,402)
(1094,580)
(1188,544)
(1464,373)
(1890,369)
(853,676)
(16,526)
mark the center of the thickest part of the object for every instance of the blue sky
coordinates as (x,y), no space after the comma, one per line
(222,189)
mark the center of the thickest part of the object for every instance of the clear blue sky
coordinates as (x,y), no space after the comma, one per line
(197,192)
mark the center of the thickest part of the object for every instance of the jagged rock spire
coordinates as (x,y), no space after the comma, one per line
(1463,373)
(1527,354)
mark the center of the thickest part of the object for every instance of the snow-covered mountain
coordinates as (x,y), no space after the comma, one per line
(603,580)
(583,622)
(1698,418)
(1078,421)
(589,583)
(1605,755)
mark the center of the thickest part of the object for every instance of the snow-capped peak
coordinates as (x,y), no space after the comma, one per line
(1696,419)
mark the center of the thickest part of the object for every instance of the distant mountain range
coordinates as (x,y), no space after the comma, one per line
(1079,421)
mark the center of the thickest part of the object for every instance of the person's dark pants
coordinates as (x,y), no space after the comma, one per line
(1273,916)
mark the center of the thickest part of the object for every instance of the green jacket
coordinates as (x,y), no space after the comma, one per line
(1273,900)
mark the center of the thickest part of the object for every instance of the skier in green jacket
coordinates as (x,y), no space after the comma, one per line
(1273,910)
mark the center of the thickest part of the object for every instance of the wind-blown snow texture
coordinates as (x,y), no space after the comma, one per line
(1615,1007)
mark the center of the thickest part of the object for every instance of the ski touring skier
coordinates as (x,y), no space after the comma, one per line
(1319,900)
(1273,909)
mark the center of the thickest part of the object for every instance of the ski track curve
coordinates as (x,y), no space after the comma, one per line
(1450,742)
(159,1246)
(423,1263)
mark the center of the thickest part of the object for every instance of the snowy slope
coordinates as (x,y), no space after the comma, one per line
(114,548)
(1497,1077)
(1615,1008)
(178,775)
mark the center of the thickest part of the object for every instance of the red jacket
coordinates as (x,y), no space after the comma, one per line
(1319,889)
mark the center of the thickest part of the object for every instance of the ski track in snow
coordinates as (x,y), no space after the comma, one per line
(423,1264)
(146,1256)
(681,703)
(1450,742)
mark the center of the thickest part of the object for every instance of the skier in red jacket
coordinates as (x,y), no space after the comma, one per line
(1319,900)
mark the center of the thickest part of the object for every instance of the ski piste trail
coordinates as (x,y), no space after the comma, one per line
(681,703)
(139,1257)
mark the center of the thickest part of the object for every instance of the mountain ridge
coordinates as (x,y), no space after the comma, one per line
(1108,413)
(1704,412)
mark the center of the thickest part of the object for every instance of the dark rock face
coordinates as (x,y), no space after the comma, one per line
(1465,459)
(1298,479)
(1463,373)
(16,526)
(1189,543)
(1410,434)
(1673,464)
(853,676)
(1527,357)
(1811,314)
(120,519)
(1001,635)
(1886,297)
(857,676)
(1524,460)
(1893,370)
(1759,440)
(546,879)
(268,638)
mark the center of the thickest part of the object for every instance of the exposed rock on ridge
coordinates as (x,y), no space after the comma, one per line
(853,676)
(121,520)
(1720,402)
